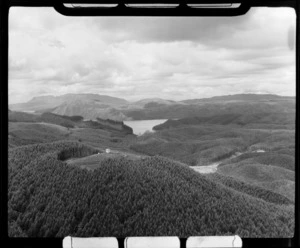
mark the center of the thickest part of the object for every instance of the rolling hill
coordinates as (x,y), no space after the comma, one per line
(241,98)
(273,158)
(89,110)
(25,128)
(263,156)
(257,173)
(62,182)
(155,196)
(24,133)
(91,106)
(252,120)
(204,144)
(153,102)
(18,116)
(250,189)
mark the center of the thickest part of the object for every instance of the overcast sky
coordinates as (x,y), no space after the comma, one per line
(145,57)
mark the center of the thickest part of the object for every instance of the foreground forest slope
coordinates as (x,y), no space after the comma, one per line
(152,196)
(252,190)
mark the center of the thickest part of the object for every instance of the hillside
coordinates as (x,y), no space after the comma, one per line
(25,128)
(257,173)
(263,157)
(89,109)
(276,179)
(241,98)
(152,102)
(222,166)
(24,133)
(226,106)
(250,189)
(254,120)
(204,144)
(17,116)
(69,121)
(91,106)
(44,102)
(275,158)
(151,197)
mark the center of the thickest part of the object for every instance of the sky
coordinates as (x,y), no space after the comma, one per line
(134,58)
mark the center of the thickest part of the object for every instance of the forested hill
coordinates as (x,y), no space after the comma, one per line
(148,197)
(92,106)
(68,121)
(242,98)
(25,128)
(215,107)
(260,119)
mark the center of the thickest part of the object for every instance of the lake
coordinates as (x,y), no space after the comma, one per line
(141,126)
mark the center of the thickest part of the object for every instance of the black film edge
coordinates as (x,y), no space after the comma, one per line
(182,10)
(123,10)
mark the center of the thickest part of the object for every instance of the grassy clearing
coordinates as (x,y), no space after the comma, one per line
(94,161)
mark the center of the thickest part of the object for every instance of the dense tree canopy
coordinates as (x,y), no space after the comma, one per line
(151,196)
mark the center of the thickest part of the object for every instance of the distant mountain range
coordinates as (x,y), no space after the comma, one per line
(52,102)
(240,98)
(92,106)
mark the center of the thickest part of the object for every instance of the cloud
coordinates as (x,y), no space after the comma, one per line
(169,29)
(141,57)
(56,43)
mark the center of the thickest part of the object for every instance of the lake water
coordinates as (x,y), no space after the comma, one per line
(140,127)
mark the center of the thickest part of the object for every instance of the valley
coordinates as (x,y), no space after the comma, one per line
(217,166)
